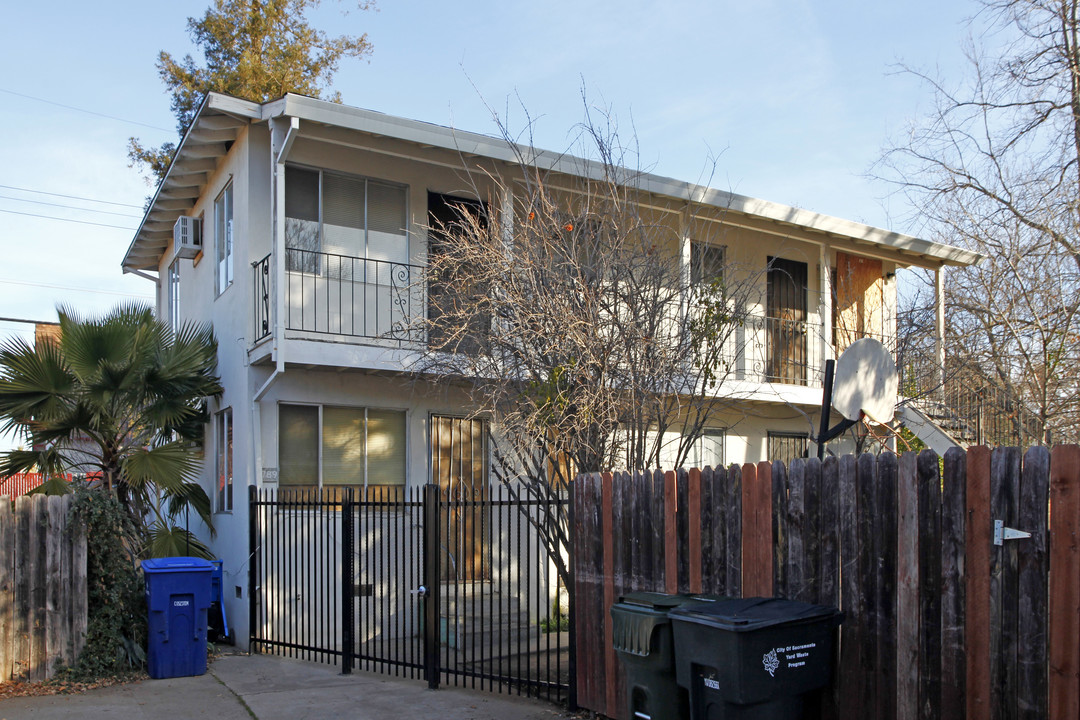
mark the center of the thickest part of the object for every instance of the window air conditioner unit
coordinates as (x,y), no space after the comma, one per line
(187,237)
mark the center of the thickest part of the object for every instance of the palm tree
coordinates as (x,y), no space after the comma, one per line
(121,399)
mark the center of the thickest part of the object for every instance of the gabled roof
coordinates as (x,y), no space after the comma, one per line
(220,118)
(216,127)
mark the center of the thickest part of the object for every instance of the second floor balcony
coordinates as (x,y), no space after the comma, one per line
(374,302)
(341,296)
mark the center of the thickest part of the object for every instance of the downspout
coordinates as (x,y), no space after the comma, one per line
(277,205)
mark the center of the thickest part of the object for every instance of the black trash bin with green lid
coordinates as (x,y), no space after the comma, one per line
(643,641)
(752,658)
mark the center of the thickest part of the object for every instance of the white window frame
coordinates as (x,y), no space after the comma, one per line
(319,439)
(223,239)
(367,180)
(172,293)
(718,433)
(224,439)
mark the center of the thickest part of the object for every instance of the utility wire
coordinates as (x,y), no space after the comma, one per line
(72,287)
(69,207)
(82,110)
(81,222)
(70,197)
(28,322)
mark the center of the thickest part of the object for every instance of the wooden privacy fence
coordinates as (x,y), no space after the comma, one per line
(43,611)
(941,621)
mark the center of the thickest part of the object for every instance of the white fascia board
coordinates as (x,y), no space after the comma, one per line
(212,103)
(422,133)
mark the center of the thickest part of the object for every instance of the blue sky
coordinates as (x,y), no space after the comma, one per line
(796,99)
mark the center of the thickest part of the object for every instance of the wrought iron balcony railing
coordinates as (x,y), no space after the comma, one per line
(340,295)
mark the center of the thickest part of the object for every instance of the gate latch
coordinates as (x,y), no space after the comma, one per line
(1002,533)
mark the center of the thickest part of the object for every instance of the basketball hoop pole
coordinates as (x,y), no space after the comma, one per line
(824,433)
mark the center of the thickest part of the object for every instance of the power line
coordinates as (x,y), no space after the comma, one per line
(69,207)
(83,110)
(28,322)
(73,287)
(70,197)
(81,222)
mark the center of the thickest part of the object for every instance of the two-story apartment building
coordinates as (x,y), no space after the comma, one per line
(306,254)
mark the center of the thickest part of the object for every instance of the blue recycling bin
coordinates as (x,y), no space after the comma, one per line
(177,599)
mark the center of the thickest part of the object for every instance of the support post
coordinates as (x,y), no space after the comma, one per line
(939,328)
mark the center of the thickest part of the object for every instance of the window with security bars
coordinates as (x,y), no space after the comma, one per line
(788,446)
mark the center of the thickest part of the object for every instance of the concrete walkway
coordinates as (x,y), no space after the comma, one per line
(241,687)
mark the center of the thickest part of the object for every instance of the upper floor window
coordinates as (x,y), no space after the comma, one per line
(223,237)
(173,293)
(331,219)
(706,263)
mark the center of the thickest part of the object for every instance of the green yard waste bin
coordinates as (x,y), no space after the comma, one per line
(643,641)
(752,658)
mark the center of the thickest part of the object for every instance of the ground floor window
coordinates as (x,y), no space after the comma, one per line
(329,447)
(786,447)
(223,440)
(708,450)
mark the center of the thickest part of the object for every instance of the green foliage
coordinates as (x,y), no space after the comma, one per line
(165,539)
(116,628)
(910,442)
(252,49)
(558,621)
(121,397)
(55,485)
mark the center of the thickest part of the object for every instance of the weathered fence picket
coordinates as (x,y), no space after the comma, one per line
(941,621)
(43,611)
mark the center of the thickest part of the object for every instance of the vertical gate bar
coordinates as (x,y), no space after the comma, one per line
(571,594)
(253,567)
(321,531)
(386,580)
(289,527)
(311,606)
(523,592)
(431,582)
(369,611)
(503,553)
(270,522)
(418,572)
(347,618)
(395,581)
(486,614)
(517,554)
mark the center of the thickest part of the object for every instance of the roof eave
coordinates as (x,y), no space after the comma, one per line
(184,171)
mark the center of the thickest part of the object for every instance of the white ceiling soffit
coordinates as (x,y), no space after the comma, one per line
(217,124)
(221,117)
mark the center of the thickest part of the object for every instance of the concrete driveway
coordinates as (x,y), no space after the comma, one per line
(241,687)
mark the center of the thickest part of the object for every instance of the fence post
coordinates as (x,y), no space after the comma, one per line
(348,580)
(431,584)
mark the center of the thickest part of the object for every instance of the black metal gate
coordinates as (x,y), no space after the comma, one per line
(358,578)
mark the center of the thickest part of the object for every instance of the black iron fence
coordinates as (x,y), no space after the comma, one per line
(357,578)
